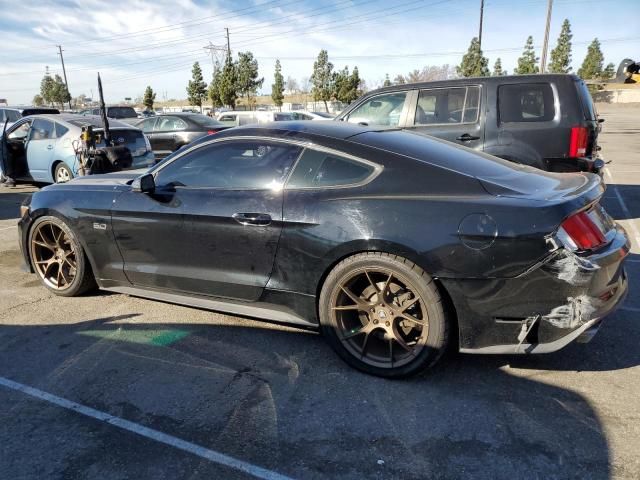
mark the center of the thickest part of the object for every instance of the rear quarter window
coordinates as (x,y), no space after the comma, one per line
(527,102)
(317,169)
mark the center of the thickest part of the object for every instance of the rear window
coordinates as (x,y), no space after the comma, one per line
(320,169)
(586,101)
(37,111)
(531,102)
(12,115)
(122,112)
(205,121)
(132,139)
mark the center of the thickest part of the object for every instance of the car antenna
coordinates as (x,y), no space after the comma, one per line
(103,114)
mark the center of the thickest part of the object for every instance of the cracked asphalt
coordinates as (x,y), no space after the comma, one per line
(278,398)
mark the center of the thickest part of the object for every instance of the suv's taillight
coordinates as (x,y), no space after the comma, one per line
(578,142)
(579,232)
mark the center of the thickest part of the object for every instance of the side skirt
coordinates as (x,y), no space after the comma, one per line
(258,310)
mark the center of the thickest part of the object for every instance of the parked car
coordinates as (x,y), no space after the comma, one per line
(394,244)
(13,114)
(234,118)
(300,115)
(124,113)
(169,132)
(43,146)
(546,121)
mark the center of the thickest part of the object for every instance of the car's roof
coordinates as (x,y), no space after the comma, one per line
(303,128)
(475,80)
(77,120)
(179,114)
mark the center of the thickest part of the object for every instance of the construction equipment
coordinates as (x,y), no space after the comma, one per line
(628,72)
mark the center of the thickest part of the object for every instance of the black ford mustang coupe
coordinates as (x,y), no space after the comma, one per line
(392,243)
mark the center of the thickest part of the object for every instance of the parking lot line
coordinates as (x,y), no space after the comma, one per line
(7,228)
(150,433)
(625,209)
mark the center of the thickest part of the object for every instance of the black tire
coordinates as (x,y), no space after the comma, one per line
(62,173)
(432,343)
(78,282)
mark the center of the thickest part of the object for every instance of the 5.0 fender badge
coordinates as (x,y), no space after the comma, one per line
(99,226)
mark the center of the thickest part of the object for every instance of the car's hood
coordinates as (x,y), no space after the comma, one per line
(107,180)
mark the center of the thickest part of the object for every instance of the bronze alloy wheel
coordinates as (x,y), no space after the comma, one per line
(54,255)
(381,318)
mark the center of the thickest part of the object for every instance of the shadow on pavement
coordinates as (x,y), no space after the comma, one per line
(10,201)
(283,400)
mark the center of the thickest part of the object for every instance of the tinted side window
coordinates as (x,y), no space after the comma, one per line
(12,115)
(526,103)
(147,125)
(380,110)
(170,124)
(60,130)
(233,165)
(42,130)
(320,169)
(447,105)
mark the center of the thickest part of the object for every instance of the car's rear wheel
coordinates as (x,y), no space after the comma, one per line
(58,258)
(63,173)
(383,315)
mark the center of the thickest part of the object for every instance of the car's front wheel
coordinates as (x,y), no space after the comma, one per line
(383,315)
(58,258)
(63,173)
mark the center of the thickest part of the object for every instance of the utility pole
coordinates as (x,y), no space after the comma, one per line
(64,72)
(481,15)
(228,47)
(543,59)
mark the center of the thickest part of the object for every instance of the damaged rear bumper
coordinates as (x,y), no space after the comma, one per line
(561,300)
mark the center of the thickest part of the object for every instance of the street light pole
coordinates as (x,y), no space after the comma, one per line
(545,45)
(480,30)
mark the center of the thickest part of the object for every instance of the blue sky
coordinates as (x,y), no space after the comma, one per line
(135,43)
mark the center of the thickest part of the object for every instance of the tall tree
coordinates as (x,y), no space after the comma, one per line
(561,55)
(277,88)
(292,85)
(608,72)
(387,82)
(473,64)
(322,79)
(149,97)
(47,89)
(228,84)
(497,68)
(592,65)
(197,87)
(214,86)
(247,79)
(527,63)
(60,93)
(38,101)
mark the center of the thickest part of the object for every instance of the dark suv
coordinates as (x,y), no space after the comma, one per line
(547,121)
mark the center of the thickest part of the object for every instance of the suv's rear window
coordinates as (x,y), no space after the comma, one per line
(122,112)
(528,102)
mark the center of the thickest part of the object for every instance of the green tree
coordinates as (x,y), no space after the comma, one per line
(197,88)
(149,98)
(277,88)
(60,93)
(387,82)
(322,79)
(561,55)
(228,84)
(473,64)
(608,72)
(527,63)
(214,86)
(592,65)
(38,101)
(47,89)
(247,79)
(497,68)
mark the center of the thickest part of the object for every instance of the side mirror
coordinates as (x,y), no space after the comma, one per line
(144,184)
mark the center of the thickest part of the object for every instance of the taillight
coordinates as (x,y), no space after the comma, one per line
(579,232)
(211,132)
(578,142)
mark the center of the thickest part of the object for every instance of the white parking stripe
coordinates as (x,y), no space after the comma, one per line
(7,228)
(189,447)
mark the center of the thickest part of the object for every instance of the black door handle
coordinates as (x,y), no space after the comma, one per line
(252,218)
(467,138)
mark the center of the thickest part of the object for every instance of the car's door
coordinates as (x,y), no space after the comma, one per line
(450,113)
(40,146)
(165,133)
(228,196)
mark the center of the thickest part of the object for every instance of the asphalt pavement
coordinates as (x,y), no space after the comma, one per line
(113,387)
